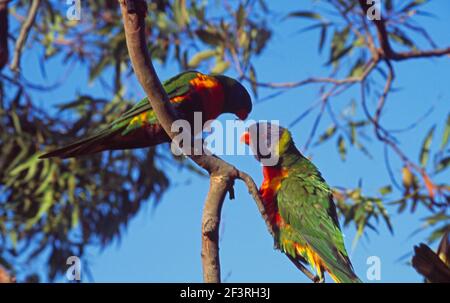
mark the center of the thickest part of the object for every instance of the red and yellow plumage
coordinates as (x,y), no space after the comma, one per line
(269,187)
(299,205)
(189,92)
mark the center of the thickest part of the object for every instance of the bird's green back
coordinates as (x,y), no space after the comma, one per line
(305,203)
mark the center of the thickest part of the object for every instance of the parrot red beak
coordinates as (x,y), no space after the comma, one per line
(245,138)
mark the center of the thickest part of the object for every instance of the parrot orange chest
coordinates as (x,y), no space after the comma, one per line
(273,176)
(271,184)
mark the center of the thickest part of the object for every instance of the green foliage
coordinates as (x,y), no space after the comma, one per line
(360,210)
(61,207)
(51,209)
(425,150)
(351,42)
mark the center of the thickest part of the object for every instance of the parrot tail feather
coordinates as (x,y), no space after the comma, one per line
(91,145)
(344,272)
(344,277)
(340,271)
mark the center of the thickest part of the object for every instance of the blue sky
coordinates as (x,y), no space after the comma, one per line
(163,245)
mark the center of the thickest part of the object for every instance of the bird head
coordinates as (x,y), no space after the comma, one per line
(268,141)
(237,99)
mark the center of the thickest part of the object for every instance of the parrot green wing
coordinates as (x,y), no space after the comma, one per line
(128,130)
(305,204)
(174,87)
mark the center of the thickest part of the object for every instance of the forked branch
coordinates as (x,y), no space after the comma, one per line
(222,174)
(23,35)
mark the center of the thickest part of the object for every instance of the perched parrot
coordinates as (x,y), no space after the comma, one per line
(300,205)
(138,127)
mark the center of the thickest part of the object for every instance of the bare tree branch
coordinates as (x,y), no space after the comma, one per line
(210,227)
(253,191)
(383,37)
(384,52)
(222,174)
(382,134)
(350,80)
(381,53)
(383,97)
(422,54)
(4,54)
(23,35)
(385,47)
(133,14)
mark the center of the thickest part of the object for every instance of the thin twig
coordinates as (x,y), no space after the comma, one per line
(382,99)
(386,49)
(383,37)
(383,136)
(4,52)
(387,162)
(422,54)
(369,67)
(24,31)
(415,123)
(253,191)
(315,125)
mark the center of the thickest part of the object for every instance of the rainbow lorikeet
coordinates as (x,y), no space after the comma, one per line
(299,204)
(189,92)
